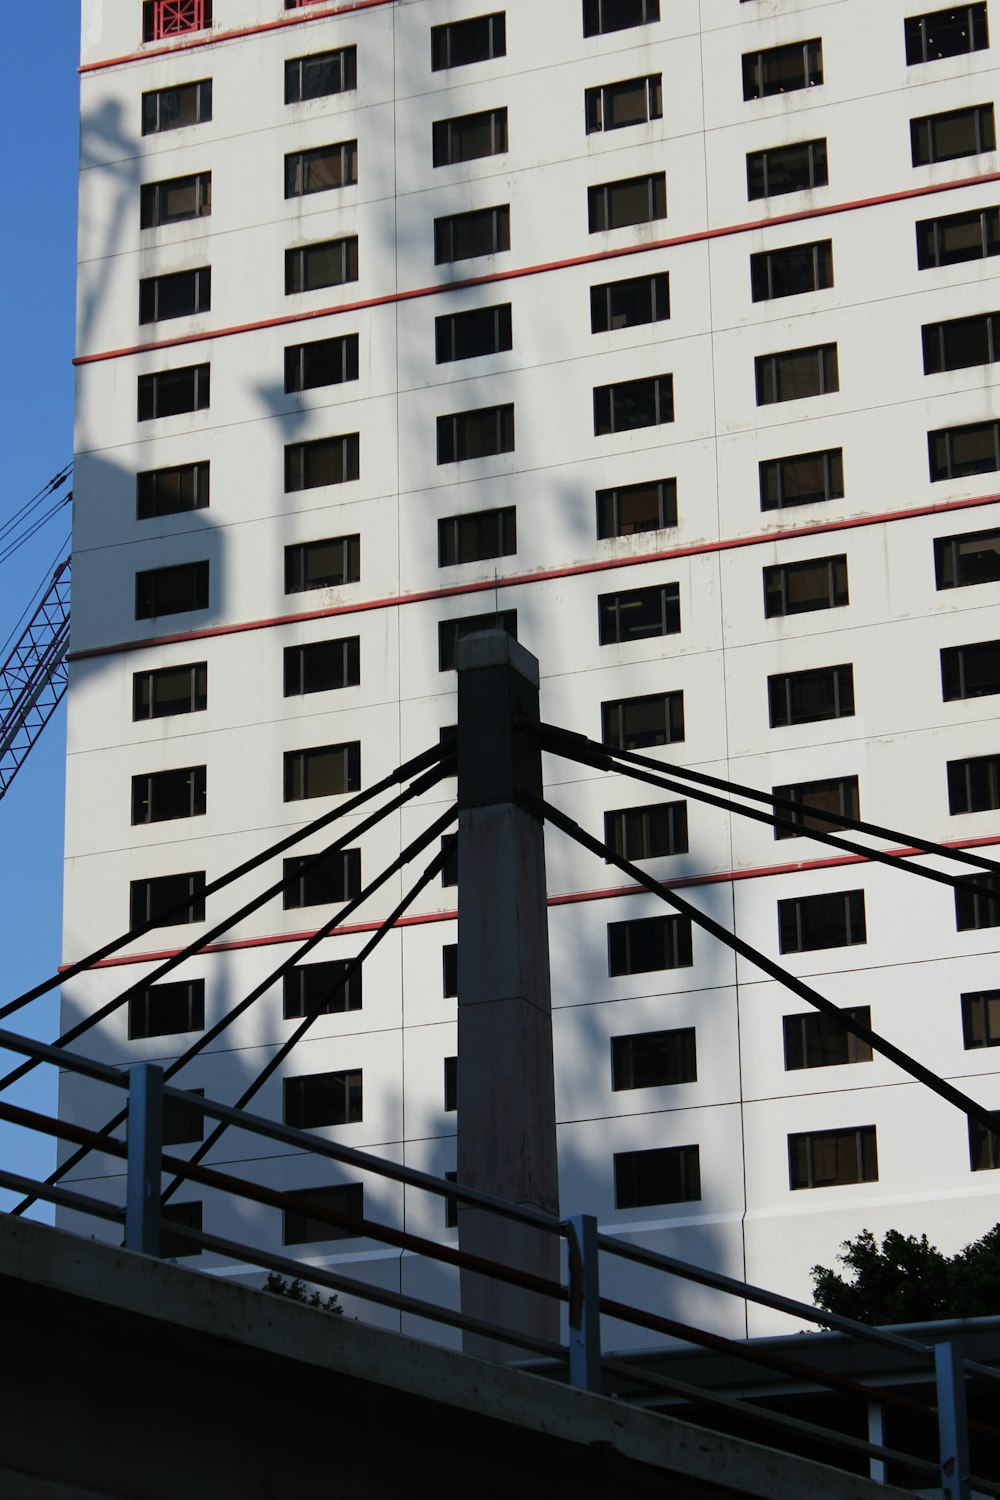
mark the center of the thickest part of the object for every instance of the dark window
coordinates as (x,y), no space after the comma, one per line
(468,137)
(961,342)
(837,794)
(300,1228)
(176,199)
(329,263)
(627,304)
(170,109)
(450,632)
(640,723)
(184,1216)
(633,200)
(796,373)
(323,771)
(638,614)
(957,452)
(162,19)
(954,133)
(974,784)
(322,565)
(322,362)
(450,1084)
(171,591)
(813,1040)
(832,1158)
(961,561)
(971,671)
(946,33)
(650,832)
(163,795)
(984,1145)
(958,237)
(602,16)
(802,479)
(486,533)
(787,169)
(332,877)
(151,900)
(449,971)
(475,434)
(449,870)
(323,666)
(632,508)
(318,1099)
(978,908)
(163,1009)
(321,168)
(645,944)
(632,102)
(334,460)
(169,492)
(169,393)
(183,1123)
(321,74)
(481,231)
(469,335)
(806,697)
(797,588)
(458,43)
(633,403)
(833,920)
(669,1174)
(320,989)
(653,1058)
(781,70)
(170,690)
(789,272)
(179,295)
(981,1019)
(450,1206)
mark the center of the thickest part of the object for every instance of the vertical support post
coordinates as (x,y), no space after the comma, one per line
(145,1151)
(953,1425)
(876,1434)
(584,1304)
(506,1093)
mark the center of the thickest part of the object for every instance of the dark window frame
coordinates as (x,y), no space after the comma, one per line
(177,1000)
(813,1040)
(320,1101)
(316,989)
(336,460)
(780,579)
(620,406)
(173,393)
(811,818)
(666,1174)
(456,429)
(784,366)
(328,880)
(656,497)
(659,606)
(161,892)
(774,473)
(156,103)
(969,671)
(172,491)
(973,784)
(153,790)
(305,169)
(596,101)
(460,335)
(637,945)
(654,1059)
(807,924)
(925,148)
(631,302)
(322,764)
(923,34)
(600,17)
(460,236)
(465,539)
(321,362)
(483,38)
(803,1174)
(764,70)
(656,830)
(299,575)
(791,270)
(471,137)
(607,202)
(155,590)
(298,88)
(322,666)
(614,721)
(154,200)
(144,694)
(782,687)
(933,250)
(152,289)
(302,262)
(799,167)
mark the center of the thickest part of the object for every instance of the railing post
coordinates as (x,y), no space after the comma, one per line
(953,1426)
(145,1150)
(584,1304)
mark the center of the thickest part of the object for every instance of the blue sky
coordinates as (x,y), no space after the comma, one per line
(37,274)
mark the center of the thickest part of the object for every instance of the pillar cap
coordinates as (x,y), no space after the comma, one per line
(495,648)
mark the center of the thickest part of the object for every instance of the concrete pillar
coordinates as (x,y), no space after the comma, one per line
(506,1094)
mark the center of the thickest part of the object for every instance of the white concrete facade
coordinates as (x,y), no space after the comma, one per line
(914,966)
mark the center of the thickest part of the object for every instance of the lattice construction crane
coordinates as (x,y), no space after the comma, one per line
(33,678)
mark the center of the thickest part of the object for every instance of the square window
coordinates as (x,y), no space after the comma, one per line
(316,1100)
(171,591)
(653,1059)
(807,697)
(170,690)
(328,263)
(971,671)
(321,168)
(321,880)
(475,434)
(967,559)
(634,101)
(173,108)
(833,920)
(323,771)
(457,44)
(782,70)
(951,32)
(603,16)
(154,901)
(837,794)
(325,564)
(334,460)
(171,492)
(472,334)
(978,908)
(641,723)
(164,795)
(798,588)
(646,944)
(814,1040)
(795,374)
(638,614)
(321,74)
(801,479)
(832,1158)
(797,168)
(299,1227)
(630,404)
(323,666)
(652,832)
(669,1174)
(167,1009)
(633,200)
(480,231)
(321,989)
(629,304)
(174,200)
(791,271)
(469,137)
(974,784)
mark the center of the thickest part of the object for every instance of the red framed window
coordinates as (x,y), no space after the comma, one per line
(162,19)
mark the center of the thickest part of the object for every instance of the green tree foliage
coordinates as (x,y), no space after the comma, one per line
(908,1280)
(296,1291)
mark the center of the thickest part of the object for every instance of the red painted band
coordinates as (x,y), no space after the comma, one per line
(541,269)
(571,898)
(545,575)
(213,38)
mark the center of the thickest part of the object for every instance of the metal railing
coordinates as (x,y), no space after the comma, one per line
(584,1361)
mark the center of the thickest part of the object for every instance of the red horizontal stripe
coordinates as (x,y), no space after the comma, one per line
(545,575)
(212,39)
(541,269)
(571,898)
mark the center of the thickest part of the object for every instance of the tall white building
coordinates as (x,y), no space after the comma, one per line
(666,329)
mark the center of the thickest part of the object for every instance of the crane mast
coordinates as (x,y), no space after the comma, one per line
(33,679)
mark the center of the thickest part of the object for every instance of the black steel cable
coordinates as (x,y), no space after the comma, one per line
(23,511)
(432,869)
(317,937)
(416,788)
(542,809)
(25,536)
(973,885)
(409,768)
(610,755)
